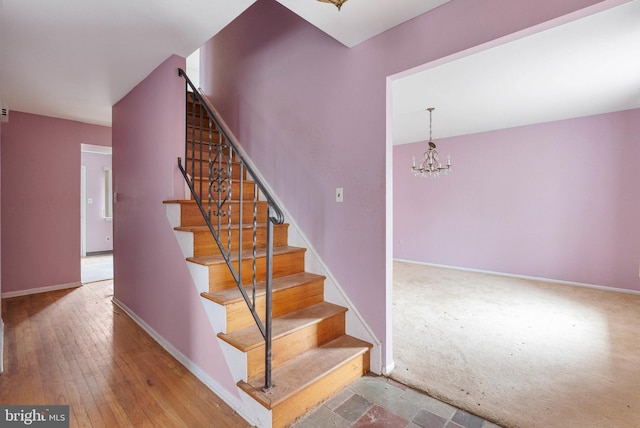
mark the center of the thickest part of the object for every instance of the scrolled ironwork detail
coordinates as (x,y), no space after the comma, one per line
(209,173)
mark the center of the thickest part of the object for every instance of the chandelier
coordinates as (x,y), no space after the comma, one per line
(338,3)
(430,166)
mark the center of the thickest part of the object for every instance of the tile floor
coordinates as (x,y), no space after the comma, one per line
(96,268)
(375,401)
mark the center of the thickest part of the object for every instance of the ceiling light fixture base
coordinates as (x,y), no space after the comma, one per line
(337,3)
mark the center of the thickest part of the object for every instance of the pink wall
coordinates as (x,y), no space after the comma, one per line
(150,273)
(557,200)
(98,228)
(312,115)
(41,199)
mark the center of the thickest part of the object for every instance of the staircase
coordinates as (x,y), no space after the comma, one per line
(311,357)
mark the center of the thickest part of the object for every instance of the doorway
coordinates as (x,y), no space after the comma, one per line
(96,219)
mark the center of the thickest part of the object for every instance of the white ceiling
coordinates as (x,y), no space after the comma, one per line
(588,66)
(74,59)
(359,20)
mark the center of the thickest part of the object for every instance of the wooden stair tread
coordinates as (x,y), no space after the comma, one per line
(237,180)
(232,295)
(193,202)
(260,252)
(250,337)
(204,124)
(179,201)
(197,146)
(189,158)
(234,226)
(313,357)
(304,370)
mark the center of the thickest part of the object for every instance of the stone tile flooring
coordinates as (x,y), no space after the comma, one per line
(375,401)
(96,268)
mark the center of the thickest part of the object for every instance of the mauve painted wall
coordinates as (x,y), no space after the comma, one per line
(312,114)
(41,199)
(98,228)
(150,272)
(557,200)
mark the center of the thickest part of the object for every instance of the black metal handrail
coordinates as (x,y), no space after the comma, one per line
(214,165)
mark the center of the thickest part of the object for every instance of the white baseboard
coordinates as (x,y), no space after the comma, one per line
(388,368)
(532,278)
(234,402)
(40,290)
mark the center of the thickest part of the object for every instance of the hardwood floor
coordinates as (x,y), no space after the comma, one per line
(76,347)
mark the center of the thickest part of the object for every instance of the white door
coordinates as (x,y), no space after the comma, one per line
(83,211)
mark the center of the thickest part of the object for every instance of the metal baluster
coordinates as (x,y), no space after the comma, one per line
(186,129)
(240,224)
(213,161)
(193,145)
(274,214)
(254,244)
(268,384)
(230,163)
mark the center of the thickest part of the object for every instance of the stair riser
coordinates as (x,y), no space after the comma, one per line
(201,151)
(220,277)
(308,321)
(205,245)
(196,133)
(190,99)
(290,346)
(197,107)
(249,189)
(284,301)
(198,166)
(324,388)
(191,216)
(200,121)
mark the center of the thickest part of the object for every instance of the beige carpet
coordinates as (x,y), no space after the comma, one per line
(521,353)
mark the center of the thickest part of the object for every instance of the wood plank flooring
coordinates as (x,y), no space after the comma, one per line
(76,347)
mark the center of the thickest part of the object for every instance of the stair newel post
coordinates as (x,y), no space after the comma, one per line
(268,384)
